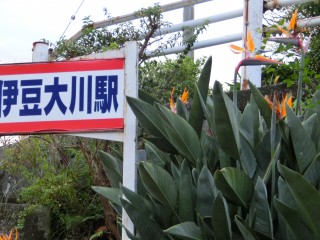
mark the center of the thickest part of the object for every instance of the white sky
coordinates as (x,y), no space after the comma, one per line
(23,22)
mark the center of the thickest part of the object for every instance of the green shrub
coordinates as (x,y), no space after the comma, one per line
(59,179)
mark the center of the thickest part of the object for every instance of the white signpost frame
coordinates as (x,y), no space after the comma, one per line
(129,134)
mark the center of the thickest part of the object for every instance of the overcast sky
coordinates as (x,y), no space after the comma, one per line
(23,22)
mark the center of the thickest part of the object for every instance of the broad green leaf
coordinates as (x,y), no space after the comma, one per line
(147,97)
(186,230)
(245,229)
(221,221)
(206,192)
(196,113)
(182,136)
(263,154)
(155,155)
(247,158)
(112,194)
(159,184)
(142,203)
(263,221)
(312,127)
(245,125)
(262,104)
(182,109)
(187,206)
(304,148)
(313,171)
(210,152)
(255,121)
(207,110)
(306,197)
(292,220)
(145,225)
(235,185)
(284,194)
(227,131)
(112,167)
(147,116)
(162,144)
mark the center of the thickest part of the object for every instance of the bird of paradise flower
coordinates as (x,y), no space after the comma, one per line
(293,35)
(10,236)
(280,107)
(183,98)
(251,59)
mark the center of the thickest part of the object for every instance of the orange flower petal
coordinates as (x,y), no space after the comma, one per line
(284,32)
(266,59)
(268,101)
(293,20)
(236,49)
(250,43)
(184,96)
(289,102)
(172,105)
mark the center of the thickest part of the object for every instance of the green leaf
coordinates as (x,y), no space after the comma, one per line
(292,220)
(147,117)
(245,229)
(112,194)
(112,167)
(312,127)
(246,125)
(235,185)
(263,221)
(196,116)
(147,227)
(185,230)
(182,136)
(313,171)
(205,192)
(186,207)
(247,158)
(262,104)
(304,148)
(155,155)
(263,153)
(147,97)
(221,222)
(182,109)
(208,111)
(159,184)
(227,131)
(306,197)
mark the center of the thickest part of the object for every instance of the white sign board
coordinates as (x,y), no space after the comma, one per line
(73,96)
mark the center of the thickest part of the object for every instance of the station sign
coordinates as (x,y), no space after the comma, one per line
(67,96)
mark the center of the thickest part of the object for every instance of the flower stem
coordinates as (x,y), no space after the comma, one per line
(300,79)
(235,97)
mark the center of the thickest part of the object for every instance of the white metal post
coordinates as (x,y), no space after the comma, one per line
(188,15)
(40,52)
(253,14)
(130,129)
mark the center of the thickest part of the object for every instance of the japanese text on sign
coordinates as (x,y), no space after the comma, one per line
(61,96)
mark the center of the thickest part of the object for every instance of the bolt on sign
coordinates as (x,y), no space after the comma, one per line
(53,97)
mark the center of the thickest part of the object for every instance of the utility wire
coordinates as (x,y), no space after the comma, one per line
(73,17)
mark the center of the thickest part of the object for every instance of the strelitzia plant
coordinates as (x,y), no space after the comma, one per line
(293,35)
(251,59)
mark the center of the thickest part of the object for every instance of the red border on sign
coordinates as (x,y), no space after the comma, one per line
(64,66)
(69,126)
